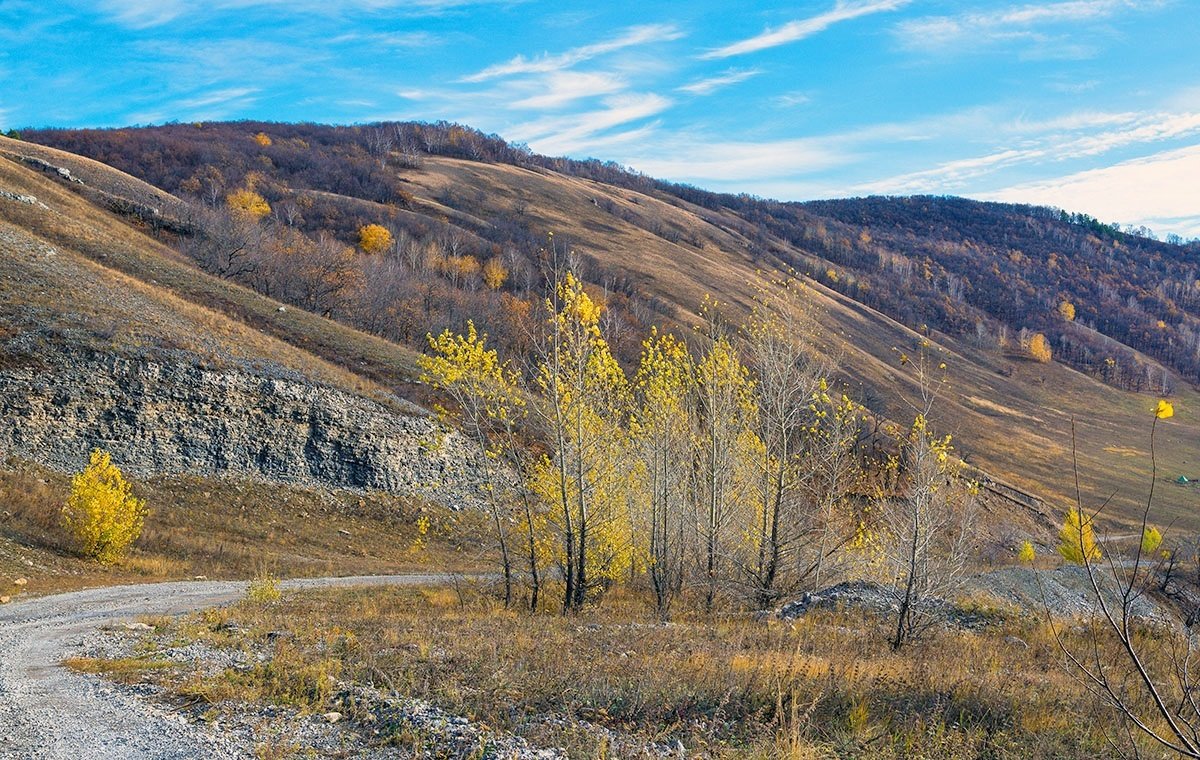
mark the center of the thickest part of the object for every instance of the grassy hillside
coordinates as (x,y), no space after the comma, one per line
(74,275)
(656,250)
(1010,415)
(118,255)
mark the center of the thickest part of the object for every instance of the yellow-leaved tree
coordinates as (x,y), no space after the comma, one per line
(928,528)
(1077,540)
(789,374)
(1066,310)
(661,436)
(1039,349)
(489,405)
(831,473)
(247,204)
(1026,553)
(374,238)
(495,274)
(727,450)
(583,479)
(1151,540)
(102,514)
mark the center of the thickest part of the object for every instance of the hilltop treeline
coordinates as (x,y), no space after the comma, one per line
(994,273)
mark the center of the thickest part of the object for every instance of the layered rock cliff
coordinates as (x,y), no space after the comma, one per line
(164,414)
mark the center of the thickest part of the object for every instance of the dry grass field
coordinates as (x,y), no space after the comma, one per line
(610,683)
(227,529)
(119,256)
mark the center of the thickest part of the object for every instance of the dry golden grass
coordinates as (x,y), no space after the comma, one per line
(1010,416)
(95,175)
(230,529)
(115,275)
(125,670)
(726,686)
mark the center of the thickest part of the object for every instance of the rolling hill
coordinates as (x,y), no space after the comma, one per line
(886,275)
(250,446)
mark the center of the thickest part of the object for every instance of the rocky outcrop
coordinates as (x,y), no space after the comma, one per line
(26,199)
(60,171)
(170,414)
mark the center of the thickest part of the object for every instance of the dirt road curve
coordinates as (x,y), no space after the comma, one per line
(49,712)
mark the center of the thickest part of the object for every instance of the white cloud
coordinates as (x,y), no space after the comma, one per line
(557,135)
(843,10)
(140,14)
(792,99)
(947,176)
(1055,140)
(1076,121)
(712,84)
(1151,128)
(559,88)
(1158,191)
(636,35)
(390,39)
(1074,88)
(719,162)
(216,97)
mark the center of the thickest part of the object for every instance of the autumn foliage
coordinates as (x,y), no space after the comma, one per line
(1077,538)
(374,238)
(247,203)
(101,513)
(1039,349)
(722,468)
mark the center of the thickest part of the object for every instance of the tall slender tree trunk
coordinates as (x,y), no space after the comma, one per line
(902,619)
(713,523)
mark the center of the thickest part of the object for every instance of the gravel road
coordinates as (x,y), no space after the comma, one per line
(49,712)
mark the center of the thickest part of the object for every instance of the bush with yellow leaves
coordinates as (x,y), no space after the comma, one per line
(1077,539)
(101,513)
(247,204)
(374,238)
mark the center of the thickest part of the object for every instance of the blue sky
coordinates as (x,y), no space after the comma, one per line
(1091,105)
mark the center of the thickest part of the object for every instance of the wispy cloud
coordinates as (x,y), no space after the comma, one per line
(942,33)
(390,39)
(636,35)
(792,99)
(558,135)
(560,88)
(216,97)
(1065,138)
(843,10)
(1157,191)
(718,162)
(214,104)
(1074,87)
(1072,122)
(712,84)
(142,14)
